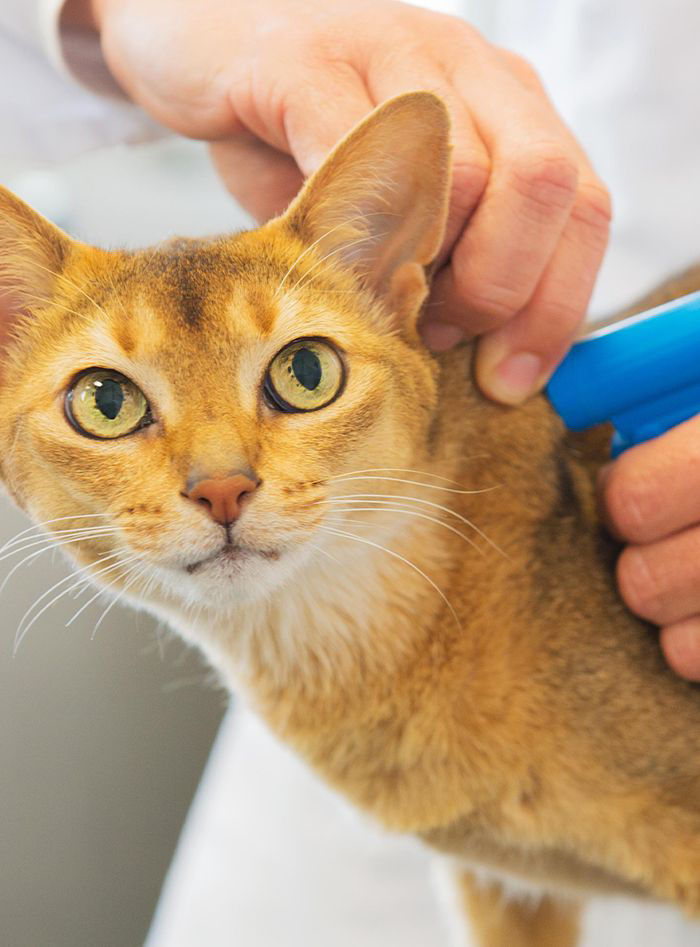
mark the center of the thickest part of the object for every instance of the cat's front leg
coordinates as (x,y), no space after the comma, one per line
(495,915)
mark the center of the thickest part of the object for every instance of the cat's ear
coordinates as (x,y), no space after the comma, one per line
(379,202)
(32,254)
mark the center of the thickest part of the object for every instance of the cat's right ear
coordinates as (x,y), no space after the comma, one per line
(378,204)
(33,253)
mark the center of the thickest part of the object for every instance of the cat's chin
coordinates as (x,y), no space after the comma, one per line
(230,559)
(232,576)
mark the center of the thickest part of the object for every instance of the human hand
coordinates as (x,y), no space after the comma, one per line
(650,498)
(274,85)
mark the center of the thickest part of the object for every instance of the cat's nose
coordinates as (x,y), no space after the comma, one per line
(223,496)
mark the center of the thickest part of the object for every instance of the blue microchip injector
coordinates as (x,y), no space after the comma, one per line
(641,373)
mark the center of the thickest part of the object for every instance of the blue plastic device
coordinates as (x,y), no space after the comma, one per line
(642,373)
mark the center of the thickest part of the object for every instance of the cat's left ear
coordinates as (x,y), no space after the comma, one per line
(33,253)
(379,202)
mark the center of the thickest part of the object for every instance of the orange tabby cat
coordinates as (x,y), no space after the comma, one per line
(408,582)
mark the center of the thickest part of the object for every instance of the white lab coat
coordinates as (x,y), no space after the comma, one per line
(268,855)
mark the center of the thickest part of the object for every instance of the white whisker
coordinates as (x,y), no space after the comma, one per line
(135,573)
(417,483)
(39,526)
(22,628)
(423,516)
(51,540)
(324,552)
(368,542)
(101,591)
(386,497)
(33,555)
(425,473)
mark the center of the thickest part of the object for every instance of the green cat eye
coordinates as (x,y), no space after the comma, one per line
(104,404)
(306,375)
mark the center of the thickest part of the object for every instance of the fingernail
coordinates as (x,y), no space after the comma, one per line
(440,336)
(516,377)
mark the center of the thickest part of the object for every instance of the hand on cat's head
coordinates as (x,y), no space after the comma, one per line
(529,216)
(201,402)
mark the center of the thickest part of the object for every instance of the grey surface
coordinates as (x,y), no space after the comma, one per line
(102,741)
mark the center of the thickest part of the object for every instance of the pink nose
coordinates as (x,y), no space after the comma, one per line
(223,497)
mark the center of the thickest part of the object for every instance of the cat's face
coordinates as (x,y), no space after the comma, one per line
(277,361)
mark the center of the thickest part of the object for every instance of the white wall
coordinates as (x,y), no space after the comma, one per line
(101,741)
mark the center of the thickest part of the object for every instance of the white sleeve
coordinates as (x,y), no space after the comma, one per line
(57,97)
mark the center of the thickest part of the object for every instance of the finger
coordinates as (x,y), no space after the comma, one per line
(511,237)
(261,179)
(653,489)
(661,581)
(516,360)
(681,647)
(314,103)
(470,174)
(320,110)
(509,240)
(396,73)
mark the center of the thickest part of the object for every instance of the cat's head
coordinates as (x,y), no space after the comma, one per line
(190,407)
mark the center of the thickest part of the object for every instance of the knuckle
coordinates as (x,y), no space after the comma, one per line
(593,208)
(461,33)
(639,586)
(521,68)
(546,174)
(469,180)
(497,302)
(625,502)
(559,318)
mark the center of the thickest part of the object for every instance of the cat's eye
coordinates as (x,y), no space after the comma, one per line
(105,404)
(306,375)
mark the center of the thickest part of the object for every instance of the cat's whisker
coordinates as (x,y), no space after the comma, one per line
(52,540)
(56,531)
(81,571)
(21,635)
(424,473)
(34,555)
(39,526)
(417,483)
(387,497)
(391,552)
(23,628)
(333,520)
(135,574)
(137,568)
(325,553)
(423,516)
(101,591)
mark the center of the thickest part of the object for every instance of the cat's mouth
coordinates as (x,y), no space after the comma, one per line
(231,553)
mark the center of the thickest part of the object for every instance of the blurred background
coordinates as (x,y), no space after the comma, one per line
(102,738)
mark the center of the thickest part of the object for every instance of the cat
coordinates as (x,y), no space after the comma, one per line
(410,584)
